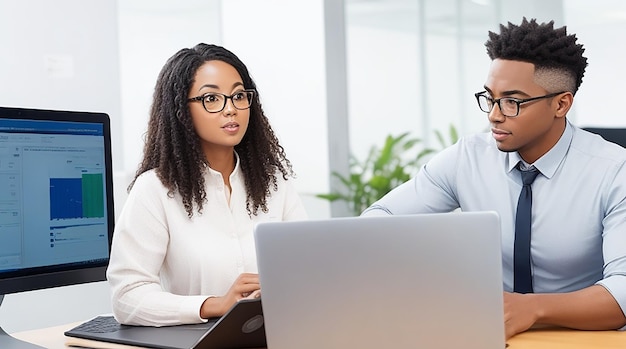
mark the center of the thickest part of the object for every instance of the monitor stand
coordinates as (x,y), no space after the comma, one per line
(8,342)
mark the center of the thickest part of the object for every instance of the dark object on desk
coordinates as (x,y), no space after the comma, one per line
(241,327)
(615,135)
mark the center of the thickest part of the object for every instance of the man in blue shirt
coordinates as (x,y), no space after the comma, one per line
(578,230)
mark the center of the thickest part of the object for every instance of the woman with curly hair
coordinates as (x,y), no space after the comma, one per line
(183,249)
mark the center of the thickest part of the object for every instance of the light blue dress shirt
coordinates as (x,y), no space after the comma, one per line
(578,212)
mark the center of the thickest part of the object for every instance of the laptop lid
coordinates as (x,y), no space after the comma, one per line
(419,281)
(241,327)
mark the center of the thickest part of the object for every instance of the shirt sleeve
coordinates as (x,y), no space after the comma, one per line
(139,246)
(614,241)
(432,190)
(293,207)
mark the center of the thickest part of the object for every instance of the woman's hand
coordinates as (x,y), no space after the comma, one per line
(245,286)
(255,294)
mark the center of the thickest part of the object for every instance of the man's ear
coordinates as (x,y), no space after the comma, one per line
(563,103)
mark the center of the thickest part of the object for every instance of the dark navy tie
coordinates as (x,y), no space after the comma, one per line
(523,282)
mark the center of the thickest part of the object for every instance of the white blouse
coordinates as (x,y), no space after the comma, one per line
(164,265)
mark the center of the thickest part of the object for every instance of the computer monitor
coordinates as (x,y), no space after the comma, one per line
(56,201)
(616,135)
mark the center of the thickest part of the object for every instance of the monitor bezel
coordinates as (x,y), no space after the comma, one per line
(31,279)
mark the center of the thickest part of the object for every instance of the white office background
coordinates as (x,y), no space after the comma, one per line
(335,78)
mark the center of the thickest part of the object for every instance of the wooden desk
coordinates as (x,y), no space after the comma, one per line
(53,338)
(558,338)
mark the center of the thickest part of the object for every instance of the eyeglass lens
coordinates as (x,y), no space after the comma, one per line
(508,106)
(215,102)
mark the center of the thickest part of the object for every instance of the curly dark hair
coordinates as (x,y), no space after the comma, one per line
(172,146)
(541,45)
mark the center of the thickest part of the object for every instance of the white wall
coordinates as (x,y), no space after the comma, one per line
(282,44)
(60,54)
(151,31)
(145,43)
(598,26)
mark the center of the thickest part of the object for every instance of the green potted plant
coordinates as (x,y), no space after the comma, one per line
(384,168)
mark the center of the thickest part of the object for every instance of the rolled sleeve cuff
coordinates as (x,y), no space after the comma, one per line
(190,309)
(616,285)
(376,210)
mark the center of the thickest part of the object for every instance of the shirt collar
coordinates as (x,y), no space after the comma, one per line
(550,161)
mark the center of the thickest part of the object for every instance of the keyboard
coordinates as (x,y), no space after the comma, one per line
(100,324)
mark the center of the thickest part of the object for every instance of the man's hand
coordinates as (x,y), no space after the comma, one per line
(520,313)
(592,308)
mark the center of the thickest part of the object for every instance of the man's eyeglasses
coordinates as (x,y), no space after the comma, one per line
(509,106)
(214,102)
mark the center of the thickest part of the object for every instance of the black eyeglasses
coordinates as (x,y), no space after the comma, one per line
(214,102)
(509,106)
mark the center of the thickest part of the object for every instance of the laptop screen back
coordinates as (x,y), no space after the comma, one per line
(421,281)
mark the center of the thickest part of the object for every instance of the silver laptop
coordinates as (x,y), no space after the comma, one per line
(419,281)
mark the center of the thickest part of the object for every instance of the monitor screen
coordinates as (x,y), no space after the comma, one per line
(56,198)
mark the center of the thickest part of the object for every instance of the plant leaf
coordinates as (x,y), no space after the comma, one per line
(400,158)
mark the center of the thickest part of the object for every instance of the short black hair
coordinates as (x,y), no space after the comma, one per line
(541,45)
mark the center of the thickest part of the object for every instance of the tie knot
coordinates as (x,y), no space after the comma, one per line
(529,175)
